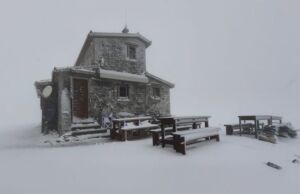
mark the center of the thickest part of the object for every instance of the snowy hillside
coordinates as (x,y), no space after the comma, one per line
(234,165)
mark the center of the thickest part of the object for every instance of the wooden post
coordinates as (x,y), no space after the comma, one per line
(112,132)
(194,126)
(206,123)
(240,123)
(256,122)
(270,122)
(174,125)
(162,134)
(124,135)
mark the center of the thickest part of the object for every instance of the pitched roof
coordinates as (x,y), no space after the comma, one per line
(91,35)
(171,85)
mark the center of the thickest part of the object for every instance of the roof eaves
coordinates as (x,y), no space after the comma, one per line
(84,47)
(124,76)
(128,35)
(171,85)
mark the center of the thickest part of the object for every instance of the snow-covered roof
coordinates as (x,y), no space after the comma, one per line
(83,71)
(171,85)
(116,75)
(43,82)
(120,35)
(75,70)
(108,74)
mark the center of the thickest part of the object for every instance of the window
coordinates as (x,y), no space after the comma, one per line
(156,92)
(131,51)
(124,91)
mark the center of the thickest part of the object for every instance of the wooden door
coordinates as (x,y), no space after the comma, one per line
(80,98)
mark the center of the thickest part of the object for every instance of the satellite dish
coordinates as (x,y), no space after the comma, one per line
(47,91)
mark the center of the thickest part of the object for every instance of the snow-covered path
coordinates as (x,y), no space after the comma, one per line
(234,165)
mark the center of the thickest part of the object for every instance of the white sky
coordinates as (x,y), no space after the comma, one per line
(226,57)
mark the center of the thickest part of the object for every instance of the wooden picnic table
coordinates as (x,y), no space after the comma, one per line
(174,122)
(257,119)
(231,128)
(125,126)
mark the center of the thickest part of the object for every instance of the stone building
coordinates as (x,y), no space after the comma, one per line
(109,78)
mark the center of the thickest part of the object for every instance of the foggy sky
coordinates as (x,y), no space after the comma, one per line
(226,58)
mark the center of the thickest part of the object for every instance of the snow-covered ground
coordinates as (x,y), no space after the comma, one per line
(235,165)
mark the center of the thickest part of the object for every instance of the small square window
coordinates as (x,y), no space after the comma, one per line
(131,52)
(124,91)
(156,92)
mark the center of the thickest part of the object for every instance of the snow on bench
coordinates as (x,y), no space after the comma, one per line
(123,127)
(175,121)
(201,134)
(156,133)
(170,128)
(199,130)
(132,119)
(142,125)
(183,138)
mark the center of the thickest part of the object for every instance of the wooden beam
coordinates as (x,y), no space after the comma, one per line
(240,123)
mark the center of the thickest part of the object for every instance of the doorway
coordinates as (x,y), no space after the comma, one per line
(80,99)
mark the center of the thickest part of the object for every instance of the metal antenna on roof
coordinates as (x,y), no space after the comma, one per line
(125,29)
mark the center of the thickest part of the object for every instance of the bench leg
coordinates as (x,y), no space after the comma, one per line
(217,138)
(112,136)
(176,143)
(123,135)
(181,148)
(155,139)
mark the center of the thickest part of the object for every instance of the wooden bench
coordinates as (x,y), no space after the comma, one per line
(230,128)
(125,128)
(175,123)
(156,133)
(184,138)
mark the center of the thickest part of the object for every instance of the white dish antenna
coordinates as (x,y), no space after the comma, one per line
(47,91)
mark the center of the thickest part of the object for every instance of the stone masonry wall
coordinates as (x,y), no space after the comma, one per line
(114,53)
(158,105)
(104,99)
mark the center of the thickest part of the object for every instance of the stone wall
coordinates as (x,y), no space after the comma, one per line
(104,99)
(159,105)
(114,53)
(103,96)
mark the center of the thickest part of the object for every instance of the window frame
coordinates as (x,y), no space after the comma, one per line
(127,91)
(156,89)
(129,56)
